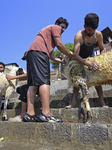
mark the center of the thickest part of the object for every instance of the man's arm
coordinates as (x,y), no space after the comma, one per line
(100,42)
(59,44)
(20,77)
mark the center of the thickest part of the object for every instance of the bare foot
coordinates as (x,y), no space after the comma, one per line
(104,105)
(69,106)
(20,116)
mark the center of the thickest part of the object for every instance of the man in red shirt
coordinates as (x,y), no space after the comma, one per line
(38,69)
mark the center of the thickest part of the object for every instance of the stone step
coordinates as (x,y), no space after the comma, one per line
(57,102)
(55,136)
(65,94)
(99,114)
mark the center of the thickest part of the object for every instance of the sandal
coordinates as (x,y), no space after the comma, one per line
(48,118)
(30,118)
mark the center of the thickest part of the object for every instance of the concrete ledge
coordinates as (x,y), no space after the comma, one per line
(65,135)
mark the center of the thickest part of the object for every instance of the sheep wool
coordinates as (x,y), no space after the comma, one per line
(3,83)
(6,89)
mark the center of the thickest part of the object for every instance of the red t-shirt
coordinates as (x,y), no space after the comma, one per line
(44,40)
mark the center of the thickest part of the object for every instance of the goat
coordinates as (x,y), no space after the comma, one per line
(80,76)
(7,88)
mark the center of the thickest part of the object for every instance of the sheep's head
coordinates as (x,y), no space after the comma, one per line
(65,59)
(73,70)
(20,71)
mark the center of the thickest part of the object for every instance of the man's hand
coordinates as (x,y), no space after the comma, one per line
(92,66)
(8,77)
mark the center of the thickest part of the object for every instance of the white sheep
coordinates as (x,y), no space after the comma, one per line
(7,87)
(80,76)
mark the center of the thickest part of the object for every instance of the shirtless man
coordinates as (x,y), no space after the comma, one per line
(84,44)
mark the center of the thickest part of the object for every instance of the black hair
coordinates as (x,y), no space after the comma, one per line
(92,20)
(1,63)
(62,20)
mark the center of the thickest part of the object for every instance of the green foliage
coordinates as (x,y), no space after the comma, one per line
(69,46)
(57,53)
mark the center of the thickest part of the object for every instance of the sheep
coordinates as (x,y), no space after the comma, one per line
(80,76)
(7,87)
